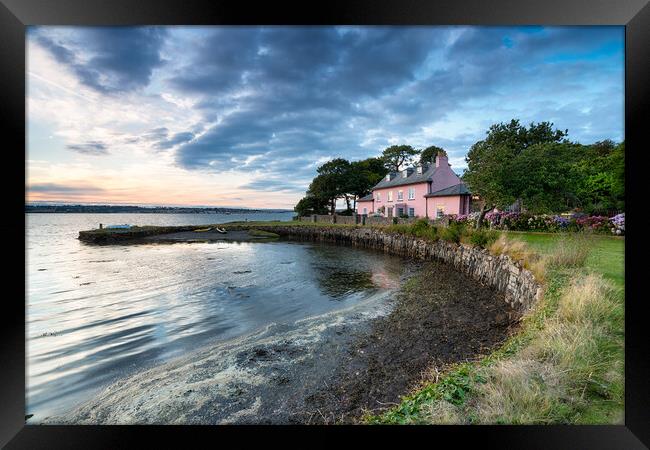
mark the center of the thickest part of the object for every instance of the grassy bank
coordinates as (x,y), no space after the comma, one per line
(565,365)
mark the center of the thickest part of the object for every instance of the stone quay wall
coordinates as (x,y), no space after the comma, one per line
(518,284)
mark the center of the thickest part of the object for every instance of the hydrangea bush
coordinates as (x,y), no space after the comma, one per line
(503,220)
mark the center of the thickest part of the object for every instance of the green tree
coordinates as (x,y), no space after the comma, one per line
(428,154)
(601,178)
(364,175)
(395,156)
(490,162)
(331,183)
(311,204)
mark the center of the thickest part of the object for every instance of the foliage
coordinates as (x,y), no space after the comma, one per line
(364,175)
(311,204)
(396,156)
(453,233)
(540,167)
(483,238)
(428,154)
(421,228)
(501,220)
(489,162)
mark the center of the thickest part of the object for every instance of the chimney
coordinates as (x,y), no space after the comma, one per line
(441,161)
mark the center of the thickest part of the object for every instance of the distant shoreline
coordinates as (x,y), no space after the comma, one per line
(117,209)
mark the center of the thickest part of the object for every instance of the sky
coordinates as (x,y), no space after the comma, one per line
(243,116)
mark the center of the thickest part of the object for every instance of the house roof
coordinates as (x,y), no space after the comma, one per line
(459,189)
(367,198)
(427,175)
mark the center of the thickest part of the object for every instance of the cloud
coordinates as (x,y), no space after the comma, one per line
(178,138)
(267,105)
(89,148)
(63,189)
(107,59)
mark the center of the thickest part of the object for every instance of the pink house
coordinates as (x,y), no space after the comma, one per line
(432,190)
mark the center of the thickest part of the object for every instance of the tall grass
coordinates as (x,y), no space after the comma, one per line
(571,251)
(574,363)
(565,366)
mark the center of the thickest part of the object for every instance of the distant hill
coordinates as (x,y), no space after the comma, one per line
(42,208)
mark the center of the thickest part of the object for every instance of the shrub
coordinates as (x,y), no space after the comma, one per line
(483,238)
(453,232)
(618,224)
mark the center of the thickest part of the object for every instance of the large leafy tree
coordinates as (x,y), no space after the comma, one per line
(600,177)
(310,204)
(396,156)
(490,161)
(428,154)
(331,182)
(364,175)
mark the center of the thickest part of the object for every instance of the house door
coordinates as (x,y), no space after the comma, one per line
(390,211)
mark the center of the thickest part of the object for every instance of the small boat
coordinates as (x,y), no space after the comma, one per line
(221,230)
(203,229)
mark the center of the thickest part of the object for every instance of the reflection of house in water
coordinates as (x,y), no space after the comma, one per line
(339,275)
(383,279)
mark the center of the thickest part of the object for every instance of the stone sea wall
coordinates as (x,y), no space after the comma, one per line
(519,286)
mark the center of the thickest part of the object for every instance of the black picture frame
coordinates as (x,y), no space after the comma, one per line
(15,15)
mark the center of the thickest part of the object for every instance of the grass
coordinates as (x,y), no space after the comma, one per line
(564,366)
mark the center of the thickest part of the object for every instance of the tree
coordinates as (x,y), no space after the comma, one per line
(311,204)
(364,175)
(395,156)
(331,182)
(601,177)
(428,154)
(490,162)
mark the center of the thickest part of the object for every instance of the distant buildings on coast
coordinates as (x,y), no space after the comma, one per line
(141,209)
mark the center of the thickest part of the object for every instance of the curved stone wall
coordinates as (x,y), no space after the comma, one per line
(518,285)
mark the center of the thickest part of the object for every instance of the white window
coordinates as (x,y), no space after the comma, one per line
(390,196)
(411,212)
(365,211)
(411,193)
(440,211)
(400,212)
(400,196)
(378,196)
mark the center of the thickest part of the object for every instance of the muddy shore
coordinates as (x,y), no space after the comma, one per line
(327,369)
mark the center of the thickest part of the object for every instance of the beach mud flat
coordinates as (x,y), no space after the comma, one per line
(326,369)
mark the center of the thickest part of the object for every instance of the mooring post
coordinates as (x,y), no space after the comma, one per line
(101,225)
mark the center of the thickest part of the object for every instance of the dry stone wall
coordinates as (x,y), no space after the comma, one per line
(519,286)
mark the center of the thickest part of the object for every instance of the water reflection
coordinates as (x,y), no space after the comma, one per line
(95,313)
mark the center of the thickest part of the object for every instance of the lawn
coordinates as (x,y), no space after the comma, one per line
(607,256)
